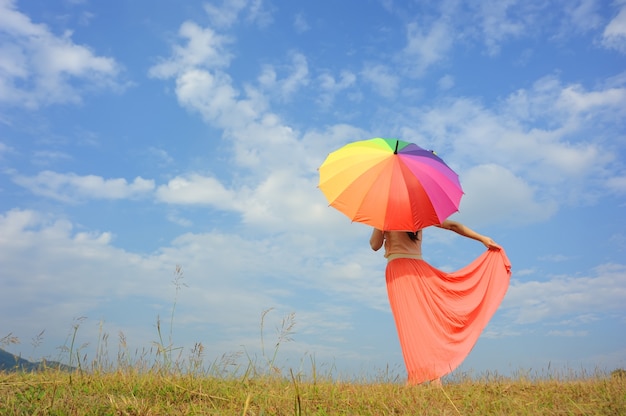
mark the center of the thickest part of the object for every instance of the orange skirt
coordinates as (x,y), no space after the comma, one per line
(439,316)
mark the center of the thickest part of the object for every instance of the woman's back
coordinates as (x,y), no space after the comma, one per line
(399,242)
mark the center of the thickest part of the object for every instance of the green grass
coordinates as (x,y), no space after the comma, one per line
(154,392)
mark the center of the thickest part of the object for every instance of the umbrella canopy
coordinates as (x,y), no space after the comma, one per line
(390,184)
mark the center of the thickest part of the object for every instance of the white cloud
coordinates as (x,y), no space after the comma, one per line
(300,24)
(556,130)
(285,201)
(330,86)
(281,192)
(179,220)
(259,14)
(279,202)
(39,68)
(286,87)
(196,189)
(382,79)
(614,35)
(583,14)
(556,139)
(230,280)
(493,194)
(557,258)
(161,156)
(617,184)
(581,319)
(54,242)
(4,149)
(204,48)
(213,96)
(47,157)
(70,187)
(538,169)
(499,23)
(329,83)
(446,82)
(298,77)
(269,145)
(602,291)
(202,85)
(568,333)
(226,14)
(426,46)
(574,99)
(261,141)
(75,274)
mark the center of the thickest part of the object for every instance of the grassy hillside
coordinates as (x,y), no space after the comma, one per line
(10,362)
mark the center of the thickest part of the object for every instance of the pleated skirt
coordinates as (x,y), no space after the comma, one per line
(439,316)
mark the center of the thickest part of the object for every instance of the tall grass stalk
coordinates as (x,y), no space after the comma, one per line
(9,339)
(166,350)
(283,334)
(73,349)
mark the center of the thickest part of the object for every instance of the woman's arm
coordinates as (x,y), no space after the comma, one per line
(461,229)
(377,238)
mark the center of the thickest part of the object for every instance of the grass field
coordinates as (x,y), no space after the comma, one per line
(156,392)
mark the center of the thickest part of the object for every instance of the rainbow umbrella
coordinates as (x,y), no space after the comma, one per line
(390,184)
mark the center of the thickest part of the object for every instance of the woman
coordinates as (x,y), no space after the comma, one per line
(439,316)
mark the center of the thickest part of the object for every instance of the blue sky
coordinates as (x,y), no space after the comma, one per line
(135,136)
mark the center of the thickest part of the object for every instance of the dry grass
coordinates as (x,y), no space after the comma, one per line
(157,393)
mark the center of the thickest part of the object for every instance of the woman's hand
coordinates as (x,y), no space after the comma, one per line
(490,244)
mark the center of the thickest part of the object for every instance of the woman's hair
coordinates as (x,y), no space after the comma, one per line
(414,236)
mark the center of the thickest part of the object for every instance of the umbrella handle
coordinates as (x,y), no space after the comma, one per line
(395,152)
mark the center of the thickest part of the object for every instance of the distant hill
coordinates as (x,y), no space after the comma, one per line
(10,362)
